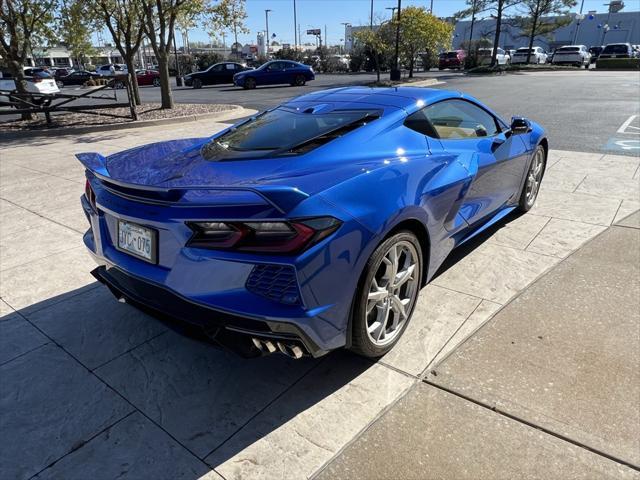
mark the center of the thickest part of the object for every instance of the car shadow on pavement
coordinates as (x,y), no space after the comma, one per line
(213,403)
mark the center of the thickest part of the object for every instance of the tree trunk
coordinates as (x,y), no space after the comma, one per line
(165,86)
(17,72)
(377,57)
(411,67)
(496,40)
(533,31)
(133,79)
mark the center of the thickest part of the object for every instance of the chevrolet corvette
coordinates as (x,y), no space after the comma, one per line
(311,226)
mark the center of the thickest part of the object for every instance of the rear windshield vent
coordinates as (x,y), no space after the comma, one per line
(329,136)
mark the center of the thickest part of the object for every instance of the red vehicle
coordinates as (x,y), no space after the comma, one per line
(148,77)
(452,59)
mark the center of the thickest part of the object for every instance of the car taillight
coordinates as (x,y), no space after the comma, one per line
(262,236)
(89,193)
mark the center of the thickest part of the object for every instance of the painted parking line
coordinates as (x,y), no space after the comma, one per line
(628,128)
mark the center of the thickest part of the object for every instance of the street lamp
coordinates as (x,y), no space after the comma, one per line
(395,72)
(345,25)
(266,16)
(393,11)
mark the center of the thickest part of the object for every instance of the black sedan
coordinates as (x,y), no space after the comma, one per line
(79,77)
(214,75)
(274,73)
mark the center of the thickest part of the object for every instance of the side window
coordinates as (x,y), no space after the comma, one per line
(217,68)
(418,122)
(276,67)
(231,66)
(456,119)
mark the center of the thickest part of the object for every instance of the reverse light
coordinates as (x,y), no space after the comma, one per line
(262,236)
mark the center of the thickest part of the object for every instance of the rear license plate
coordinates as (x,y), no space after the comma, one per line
(137,240)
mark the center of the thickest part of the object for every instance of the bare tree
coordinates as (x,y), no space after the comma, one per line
(124,20)
(23,24)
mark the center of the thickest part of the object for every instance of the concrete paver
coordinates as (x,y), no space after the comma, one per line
(232,412)
(432,434)
(18,337)
(565,354)
(50,405)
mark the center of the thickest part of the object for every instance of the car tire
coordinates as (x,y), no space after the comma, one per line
(197,83)
(250,83)
(299,81)
(378,322)
(118,84)
(59,84)
(156,82)
(533,179)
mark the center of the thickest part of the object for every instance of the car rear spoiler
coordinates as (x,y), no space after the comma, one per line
(282,198)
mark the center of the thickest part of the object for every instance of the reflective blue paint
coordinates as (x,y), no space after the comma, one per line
(372,179)
(263,76)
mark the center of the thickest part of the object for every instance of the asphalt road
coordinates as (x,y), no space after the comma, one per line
(581,110)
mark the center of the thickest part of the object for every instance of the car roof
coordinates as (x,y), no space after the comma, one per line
(407,98)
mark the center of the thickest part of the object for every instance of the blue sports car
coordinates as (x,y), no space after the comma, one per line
(311,226)
(275,73)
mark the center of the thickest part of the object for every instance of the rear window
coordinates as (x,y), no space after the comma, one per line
(616,49)
(569,49)
(284,131)
(451,54)
(524,50)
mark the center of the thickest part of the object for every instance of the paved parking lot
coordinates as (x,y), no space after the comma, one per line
(95,389)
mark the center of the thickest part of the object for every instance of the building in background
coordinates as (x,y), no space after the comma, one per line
(592,30)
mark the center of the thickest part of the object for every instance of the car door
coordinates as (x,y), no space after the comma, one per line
(485,147)
(214,75)
(273,74)
(228,72)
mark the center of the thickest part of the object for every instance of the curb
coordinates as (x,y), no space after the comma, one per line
(230,114)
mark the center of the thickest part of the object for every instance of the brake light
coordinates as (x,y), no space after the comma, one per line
(262,236)
(90,194)
(36,80)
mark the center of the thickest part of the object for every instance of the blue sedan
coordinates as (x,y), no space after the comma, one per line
(275,73)
(314,225)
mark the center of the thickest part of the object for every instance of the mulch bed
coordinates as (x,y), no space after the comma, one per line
(146,111)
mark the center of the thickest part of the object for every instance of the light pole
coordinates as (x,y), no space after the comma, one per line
(431,8)
(266,16)
(295,27)
(371,17)
(393,11)
(395,72)
(345,24)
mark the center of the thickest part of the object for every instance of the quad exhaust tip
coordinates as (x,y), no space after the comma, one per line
(268,346)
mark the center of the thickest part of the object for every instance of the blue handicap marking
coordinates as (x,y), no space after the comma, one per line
(623,145)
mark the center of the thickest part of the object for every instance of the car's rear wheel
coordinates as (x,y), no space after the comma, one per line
(197,83)
(534,178)
(299,80)
(118,84)
(156,82)
(250,83)
(387,295)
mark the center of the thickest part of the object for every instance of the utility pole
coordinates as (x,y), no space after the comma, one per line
(296,28)
(431,8)
(371,17)
(325,35)
(580,17)
(266,16)
(395,72)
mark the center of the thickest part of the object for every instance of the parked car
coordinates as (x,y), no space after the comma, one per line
(577,55)
(595,53)
(311,226)
(148,77)
(452,59)
(617,50)
(79,77)
(106,70)
(38,81)
(538,55)
(216,74)
(274,73)
(485,54)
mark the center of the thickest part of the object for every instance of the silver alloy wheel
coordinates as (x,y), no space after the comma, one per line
(392,293)
(534,177)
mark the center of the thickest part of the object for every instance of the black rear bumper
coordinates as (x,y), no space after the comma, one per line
(232,331)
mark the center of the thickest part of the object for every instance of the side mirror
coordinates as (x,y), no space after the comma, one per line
(520,125)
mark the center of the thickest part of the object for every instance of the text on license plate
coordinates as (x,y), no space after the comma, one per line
(137,240)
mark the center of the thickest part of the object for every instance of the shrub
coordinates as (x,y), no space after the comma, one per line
(618,63)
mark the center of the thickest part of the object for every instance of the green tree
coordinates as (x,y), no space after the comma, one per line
(24,24)
(531,22)
(420,31)
(75,29)
(124,20)
(375,45)
(227,15)
(160,18)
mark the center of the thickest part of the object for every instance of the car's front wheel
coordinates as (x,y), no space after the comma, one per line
(249,84)
(532,181)
(387,295)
